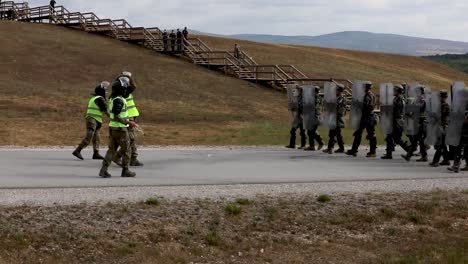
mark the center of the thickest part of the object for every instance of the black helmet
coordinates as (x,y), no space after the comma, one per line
(340,87)
(398,88)
(444,94)
(368,85)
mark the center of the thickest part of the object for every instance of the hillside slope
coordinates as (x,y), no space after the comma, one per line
(326,63)
(367,41)
(48,73)
(456,61)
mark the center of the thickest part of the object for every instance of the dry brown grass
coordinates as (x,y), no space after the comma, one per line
(361,228)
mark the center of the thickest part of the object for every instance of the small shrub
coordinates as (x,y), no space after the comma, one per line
(323,198)
(153,201)
(212,238)
(233,209)
(243,201)
(271,213)
(414,218)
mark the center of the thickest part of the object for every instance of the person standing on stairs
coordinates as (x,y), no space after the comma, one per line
(165,39)
(179,41)
(97,106)
(237,51)
(185,34)
(172,36)
(52,5)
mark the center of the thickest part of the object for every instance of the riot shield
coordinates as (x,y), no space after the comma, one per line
(293,105)
(413,109)
(433,112)
(386,108)
(359,92)
(329,105)
(308,101)
(457,117)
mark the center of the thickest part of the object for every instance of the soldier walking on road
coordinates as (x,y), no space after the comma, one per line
(440,146)
(461,152)
(420,136)
(335,134)
(367,120)
(457,132)
(313,133)
(133,115)
(296,112)
(97,106)
(118,129)
(397,122)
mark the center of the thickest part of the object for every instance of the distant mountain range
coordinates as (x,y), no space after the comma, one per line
(364,41)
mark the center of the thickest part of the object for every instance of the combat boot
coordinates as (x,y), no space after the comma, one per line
(97,156)
(290,147)
(320,147)
(434,164)
(465,168)
(301,147)
(126,173)
(371,155)
(387,157)
(351,153)
(454,169)
(328,151)
(104,173)
(310,149)
(407,157)
(445,163)
(77,153)
(422,159)
(340,150)
(136,163)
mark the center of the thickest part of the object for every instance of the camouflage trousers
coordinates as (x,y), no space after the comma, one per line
(118,138)
(133,146)
(93,128)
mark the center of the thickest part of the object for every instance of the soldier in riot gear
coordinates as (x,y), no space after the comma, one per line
(335,135)
(457,131)
(296,112)
(118,128)
(418,139)
(397,122)
(367,121)
(313,133)
(440,146)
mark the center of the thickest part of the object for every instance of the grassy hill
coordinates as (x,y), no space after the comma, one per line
(48,72)
(456,61)
(326,63)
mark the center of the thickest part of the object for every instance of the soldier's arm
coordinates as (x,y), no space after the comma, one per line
(102,104)
(117,109)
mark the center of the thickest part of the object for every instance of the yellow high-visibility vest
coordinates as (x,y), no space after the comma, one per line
(131,106)
(123,114)
(93,109)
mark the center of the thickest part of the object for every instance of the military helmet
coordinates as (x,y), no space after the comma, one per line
(340,87)
(398,88)
(444,94)
(368,85)
(317,88)
(105,85)
(127,74)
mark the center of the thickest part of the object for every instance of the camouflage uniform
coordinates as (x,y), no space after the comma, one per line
(92,134)
(299,124)
(335,134)
(398,121)
(420,138)
(314,134)
(461,151)
(368,123)
(441,147)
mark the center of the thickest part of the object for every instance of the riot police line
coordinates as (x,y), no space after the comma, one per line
(427,118)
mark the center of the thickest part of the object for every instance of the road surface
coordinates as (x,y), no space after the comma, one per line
(163,167)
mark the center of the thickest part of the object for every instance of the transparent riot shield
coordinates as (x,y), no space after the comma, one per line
(413,109)
(308,101)
(386,108)
(293,105)
(457,117)
(329,105)
(433,113)
(359,92)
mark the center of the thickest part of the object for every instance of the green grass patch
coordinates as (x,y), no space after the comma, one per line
(233,209)
(323,198)
(153,201)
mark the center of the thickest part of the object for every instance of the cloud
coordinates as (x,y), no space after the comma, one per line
(423,18)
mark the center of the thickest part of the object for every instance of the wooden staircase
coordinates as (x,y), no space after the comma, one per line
(243,66)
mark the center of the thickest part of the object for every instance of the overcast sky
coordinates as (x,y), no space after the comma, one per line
(444,19)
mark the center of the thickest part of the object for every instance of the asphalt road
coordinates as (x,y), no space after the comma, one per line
(59,169)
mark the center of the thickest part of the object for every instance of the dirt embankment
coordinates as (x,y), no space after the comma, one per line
(365,228)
